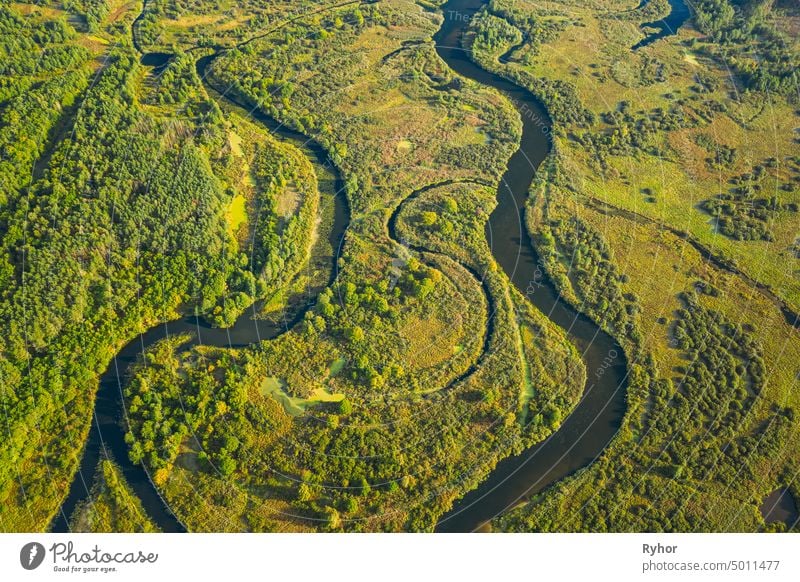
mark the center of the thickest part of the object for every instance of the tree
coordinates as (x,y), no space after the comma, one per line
(345,407)
(355,334)
(304,492)
(427,218)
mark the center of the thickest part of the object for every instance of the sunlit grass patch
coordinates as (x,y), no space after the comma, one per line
(276,388)
(404,146)
(336,367)
(236,215)
(190,20)
(430,341)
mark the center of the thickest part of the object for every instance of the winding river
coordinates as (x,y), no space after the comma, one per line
(582,436)
(106,437)
(585,433)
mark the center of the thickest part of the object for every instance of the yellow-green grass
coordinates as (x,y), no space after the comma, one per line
(288,202)
(228,22)
(276,388)
(679,178)
(236,215)
(193,20)
(431,341)
(46,12)
(235,142)
(660,265)
(214,505)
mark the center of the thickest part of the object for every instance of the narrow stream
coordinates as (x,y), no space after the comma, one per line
(586,432)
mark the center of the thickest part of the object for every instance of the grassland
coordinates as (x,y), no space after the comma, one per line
(180,24)
(661,164)
(667,212)
(413,375)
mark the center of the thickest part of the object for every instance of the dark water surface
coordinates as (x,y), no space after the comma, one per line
(157,61)
(594,422)
(582,436)
(106,436)
(668,26)
(781,506)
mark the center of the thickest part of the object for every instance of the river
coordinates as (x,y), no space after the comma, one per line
(582,436)
(107,434)
(586,432)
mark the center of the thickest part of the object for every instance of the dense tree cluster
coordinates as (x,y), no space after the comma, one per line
(627,132)
(721,155)
(107,225)
(745,38)
(162,425)
(366,317)
(93,12)
(494,34)
(26,122)
(576,252)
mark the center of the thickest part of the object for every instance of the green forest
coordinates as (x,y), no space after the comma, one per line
(329,173)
